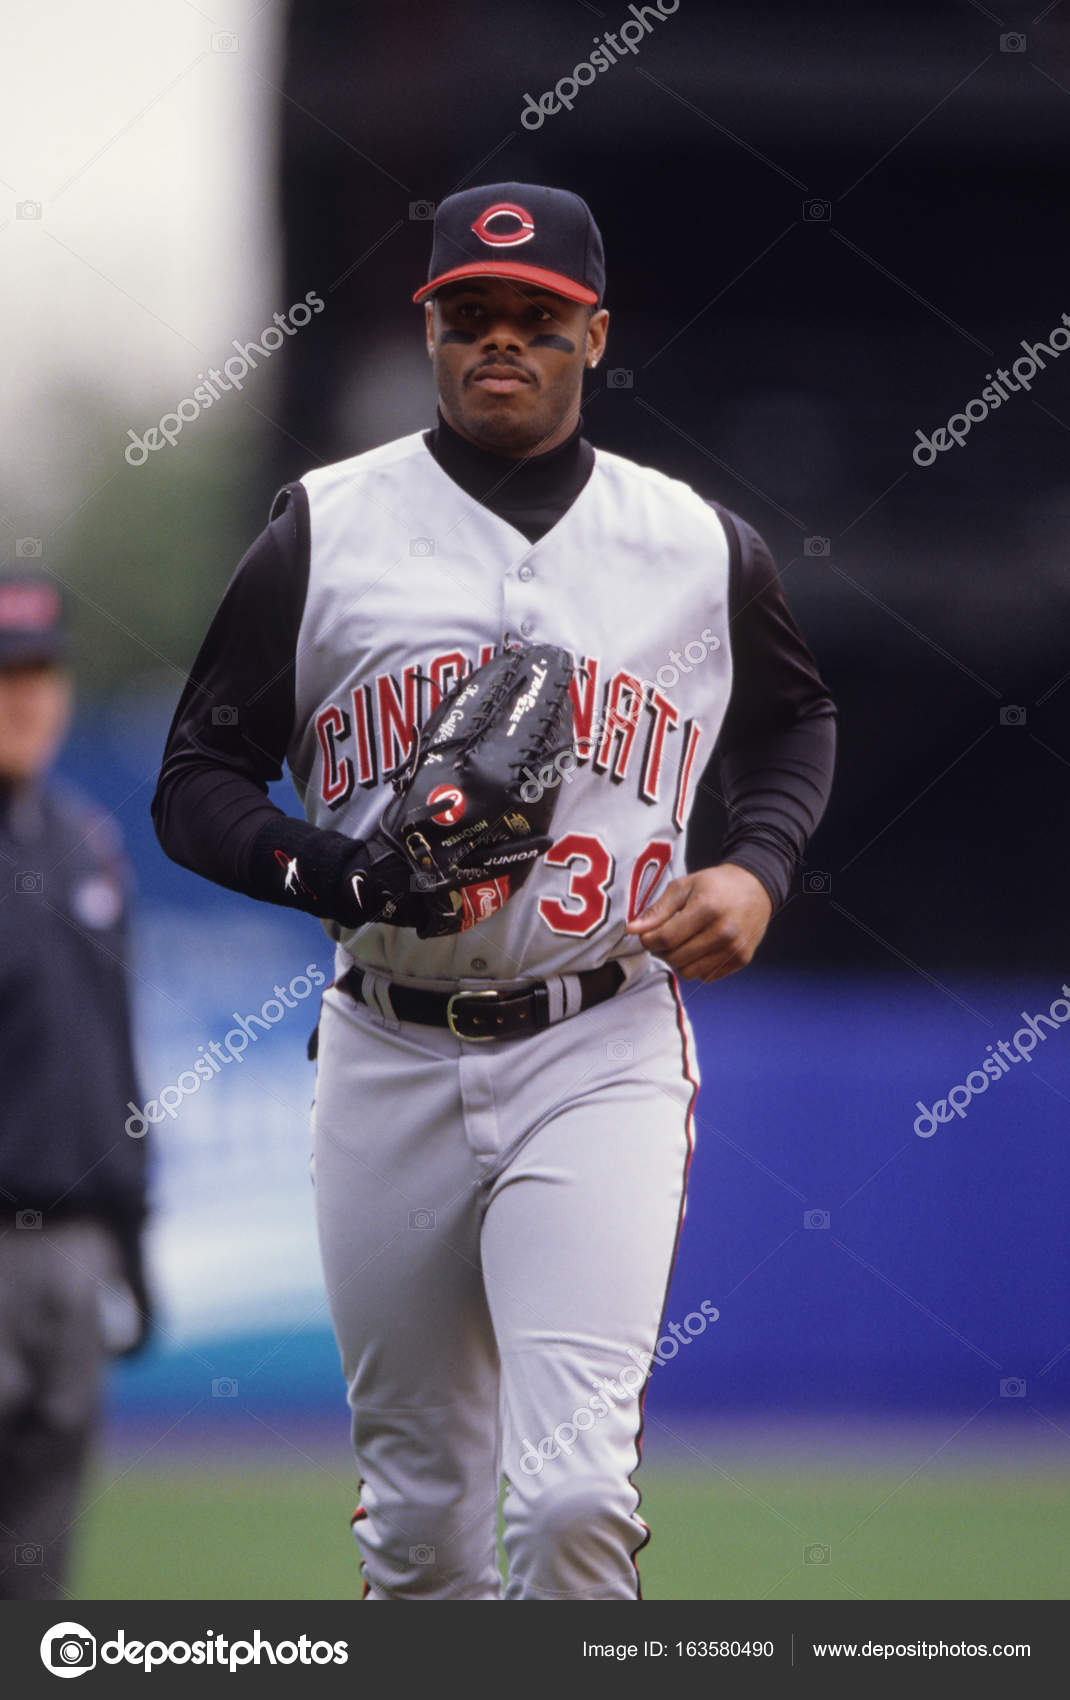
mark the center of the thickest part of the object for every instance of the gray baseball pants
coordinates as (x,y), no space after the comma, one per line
(497,1223)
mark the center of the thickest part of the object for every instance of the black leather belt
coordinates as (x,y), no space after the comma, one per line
(491,1014)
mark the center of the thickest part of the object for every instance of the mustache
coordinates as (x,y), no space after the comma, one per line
(506,365)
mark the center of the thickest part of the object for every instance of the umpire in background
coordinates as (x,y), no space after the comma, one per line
(72,1181)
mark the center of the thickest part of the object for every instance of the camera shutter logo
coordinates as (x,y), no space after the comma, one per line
(520,227)
(68,1649)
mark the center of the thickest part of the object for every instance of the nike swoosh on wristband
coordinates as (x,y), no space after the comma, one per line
(292,883)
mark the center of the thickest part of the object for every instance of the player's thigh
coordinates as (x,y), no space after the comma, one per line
(579,1235)
(397,1210)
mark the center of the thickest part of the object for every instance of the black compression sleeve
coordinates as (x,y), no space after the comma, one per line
(231,731)
(776,749)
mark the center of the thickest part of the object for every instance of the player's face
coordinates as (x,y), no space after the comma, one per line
(35,703)
(509,361)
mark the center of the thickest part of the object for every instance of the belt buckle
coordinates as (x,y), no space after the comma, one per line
(469,1038)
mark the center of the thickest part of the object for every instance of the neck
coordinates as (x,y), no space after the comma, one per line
(565,432)
(531,492)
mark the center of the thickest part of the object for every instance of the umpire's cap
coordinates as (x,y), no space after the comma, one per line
(519,230)
(33,624)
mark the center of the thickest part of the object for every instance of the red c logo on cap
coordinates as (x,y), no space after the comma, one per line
(520,226)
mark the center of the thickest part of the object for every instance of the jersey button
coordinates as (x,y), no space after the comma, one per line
(527,627)
(526,572)
(479,962)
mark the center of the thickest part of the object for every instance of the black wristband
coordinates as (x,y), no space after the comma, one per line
(300,866)
(349,880)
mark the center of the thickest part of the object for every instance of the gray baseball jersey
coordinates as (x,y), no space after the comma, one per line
(377,646)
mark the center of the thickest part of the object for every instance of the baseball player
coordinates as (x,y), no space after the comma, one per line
(503,1110)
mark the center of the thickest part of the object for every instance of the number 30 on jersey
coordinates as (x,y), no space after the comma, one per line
(591,866)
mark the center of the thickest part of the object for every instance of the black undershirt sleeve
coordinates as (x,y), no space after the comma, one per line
(230,733)
(776,750)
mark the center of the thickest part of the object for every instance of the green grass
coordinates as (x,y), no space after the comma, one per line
(276,1530)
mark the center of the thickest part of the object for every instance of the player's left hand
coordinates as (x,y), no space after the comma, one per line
(708,924)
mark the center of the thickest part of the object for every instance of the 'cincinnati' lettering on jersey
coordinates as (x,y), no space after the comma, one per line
(624,728)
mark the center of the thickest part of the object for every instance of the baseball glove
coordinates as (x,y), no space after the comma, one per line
(458,824)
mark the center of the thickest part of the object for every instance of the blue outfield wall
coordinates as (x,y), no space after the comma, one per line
(856,1267)
(942,1271)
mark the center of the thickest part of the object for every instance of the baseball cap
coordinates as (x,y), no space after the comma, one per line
(32,619)
(518,230)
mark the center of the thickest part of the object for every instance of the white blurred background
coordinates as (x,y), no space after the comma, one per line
(145,136)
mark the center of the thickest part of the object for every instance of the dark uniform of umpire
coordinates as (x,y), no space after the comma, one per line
(72,1181)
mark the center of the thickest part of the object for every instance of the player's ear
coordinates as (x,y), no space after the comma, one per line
(597,327)
(429,326)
